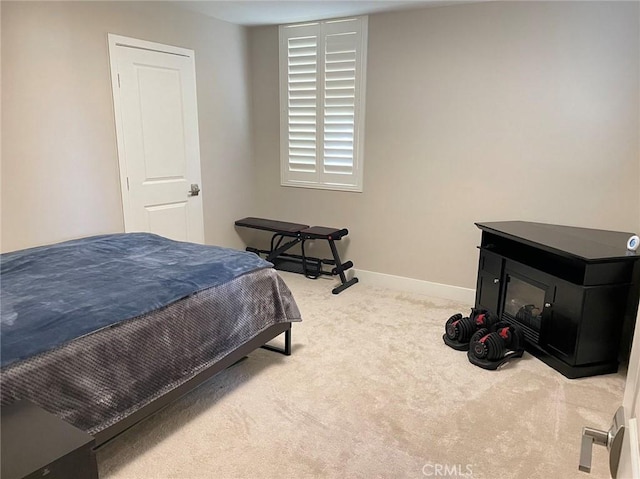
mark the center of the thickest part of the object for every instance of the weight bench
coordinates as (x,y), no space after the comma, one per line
(287,235)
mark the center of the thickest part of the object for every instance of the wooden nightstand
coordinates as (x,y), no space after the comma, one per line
(37,444)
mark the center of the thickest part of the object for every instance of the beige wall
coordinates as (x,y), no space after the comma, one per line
(59,160)
(479,112)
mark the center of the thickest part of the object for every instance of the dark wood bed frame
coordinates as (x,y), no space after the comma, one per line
(233,357)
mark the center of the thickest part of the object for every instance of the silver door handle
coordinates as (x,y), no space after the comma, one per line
(194,191)
(612,439)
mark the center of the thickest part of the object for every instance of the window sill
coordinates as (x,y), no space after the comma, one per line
(322,186)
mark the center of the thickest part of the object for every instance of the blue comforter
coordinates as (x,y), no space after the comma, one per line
(53,294)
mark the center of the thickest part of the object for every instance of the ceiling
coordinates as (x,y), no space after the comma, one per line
(268,12)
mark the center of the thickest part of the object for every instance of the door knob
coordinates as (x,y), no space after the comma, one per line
(612,439)
(194,191)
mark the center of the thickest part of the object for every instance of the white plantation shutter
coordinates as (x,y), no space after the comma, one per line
(302,105)
(322,112)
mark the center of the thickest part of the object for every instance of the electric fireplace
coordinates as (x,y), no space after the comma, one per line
(572,291)
(523,304)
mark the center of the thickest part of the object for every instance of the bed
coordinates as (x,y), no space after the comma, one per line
(104,331)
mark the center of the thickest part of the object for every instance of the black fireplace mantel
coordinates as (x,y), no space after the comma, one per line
(573,291)
(582,243)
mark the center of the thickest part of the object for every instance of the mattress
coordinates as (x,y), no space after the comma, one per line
(52,294)
(99,378)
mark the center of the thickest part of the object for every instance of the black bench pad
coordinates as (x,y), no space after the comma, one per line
(271,225)
(322,232)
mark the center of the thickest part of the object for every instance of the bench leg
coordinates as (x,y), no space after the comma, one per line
(340,288)
(340,270)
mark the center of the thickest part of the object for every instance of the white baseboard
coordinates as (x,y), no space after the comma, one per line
(411,285)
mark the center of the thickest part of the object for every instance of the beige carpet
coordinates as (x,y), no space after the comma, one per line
(371,391)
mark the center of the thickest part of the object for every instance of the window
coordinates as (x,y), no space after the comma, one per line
(322,80)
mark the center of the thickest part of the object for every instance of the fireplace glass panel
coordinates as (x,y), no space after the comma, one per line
(524,302)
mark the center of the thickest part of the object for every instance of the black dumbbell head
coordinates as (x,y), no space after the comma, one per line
(460,329)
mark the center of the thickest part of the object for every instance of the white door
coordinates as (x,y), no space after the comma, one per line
(630,455)
(622,437)
(154,95)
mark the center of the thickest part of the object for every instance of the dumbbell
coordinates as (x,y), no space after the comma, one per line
(492,346)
